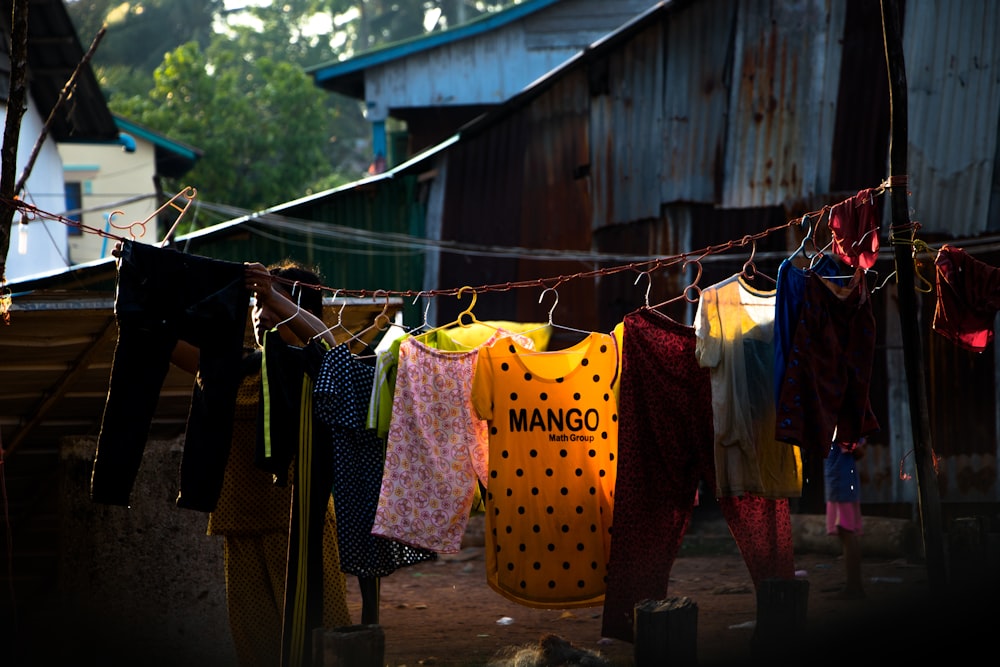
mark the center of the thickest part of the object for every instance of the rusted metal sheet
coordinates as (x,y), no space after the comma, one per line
(626,123)
(730,102)
(522,185)
(697,44)
(780,122)
(953,81)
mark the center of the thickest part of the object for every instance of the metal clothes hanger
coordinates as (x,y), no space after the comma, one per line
(340,318)
(298,307)
(555,303)
(649,284)
(693,285)
(425,325)
(809,237)
(375,325)
(749,270)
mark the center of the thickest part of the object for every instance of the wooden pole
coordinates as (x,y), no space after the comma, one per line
(17,102)
(929,501)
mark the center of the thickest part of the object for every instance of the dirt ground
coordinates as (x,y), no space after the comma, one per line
(444,613)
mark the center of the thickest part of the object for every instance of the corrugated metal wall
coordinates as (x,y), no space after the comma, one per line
(779,124)
(730,102)
(952,53)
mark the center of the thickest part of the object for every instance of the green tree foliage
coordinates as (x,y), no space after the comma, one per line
(262,124)
(141,33)
(232,83)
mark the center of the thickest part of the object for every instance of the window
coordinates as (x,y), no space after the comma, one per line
(74,202)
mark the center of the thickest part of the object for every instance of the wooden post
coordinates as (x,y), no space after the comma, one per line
(665,632)
(781,617)
(349,646)
(927,487)
(968,551)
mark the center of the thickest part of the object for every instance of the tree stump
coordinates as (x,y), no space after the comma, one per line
(781,616)
(665,632)
(349,646)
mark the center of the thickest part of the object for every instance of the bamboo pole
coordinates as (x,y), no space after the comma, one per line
(929,501)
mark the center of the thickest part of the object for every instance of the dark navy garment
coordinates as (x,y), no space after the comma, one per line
(305,444)
(340,399)
(163,296)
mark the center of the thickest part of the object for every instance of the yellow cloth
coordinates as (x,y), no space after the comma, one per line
(478,333)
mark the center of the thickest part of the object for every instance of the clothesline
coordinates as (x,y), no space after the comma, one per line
(642,267)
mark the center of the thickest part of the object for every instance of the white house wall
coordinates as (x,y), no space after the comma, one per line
(110,180)
(46,246)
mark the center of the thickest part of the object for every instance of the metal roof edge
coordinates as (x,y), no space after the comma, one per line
(387,175)
(542,83)
(329,71)
(183,150)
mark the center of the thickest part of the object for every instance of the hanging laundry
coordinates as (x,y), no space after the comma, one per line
(854,224)
(312,481)
(788,296)
(163,296)
(663,453)
(340,397)
(553,442)
(734,324)
(436,448)
(387,367)
(968,298)
(478,333)
(828,374)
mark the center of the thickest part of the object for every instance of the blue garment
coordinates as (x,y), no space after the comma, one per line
(840,476)
(789,293)
(162,296)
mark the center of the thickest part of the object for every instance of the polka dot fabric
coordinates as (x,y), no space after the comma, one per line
(343,387)
(553,440)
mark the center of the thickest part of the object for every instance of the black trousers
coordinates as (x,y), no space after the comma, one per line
(163,296)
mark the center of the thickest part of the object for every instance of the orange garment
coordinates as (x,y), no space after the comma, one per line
(553,444)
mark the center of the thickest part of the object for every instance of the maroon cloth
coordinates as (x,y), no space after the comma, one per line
(665,448)
(854,224)
(828,374)
(968,297)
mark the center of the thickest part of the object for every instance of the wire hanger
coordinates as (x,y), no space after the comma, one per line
(555,303)
(693,285)
(340,318)
(425,325)
(375,325)
(750,271)
(649,284)
(809,237)
(298,307)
